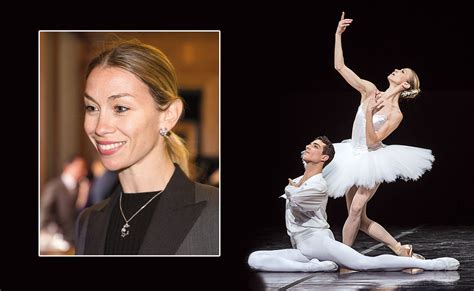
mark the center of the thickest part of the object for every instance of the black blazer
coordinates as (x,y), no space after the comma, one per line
(185,221)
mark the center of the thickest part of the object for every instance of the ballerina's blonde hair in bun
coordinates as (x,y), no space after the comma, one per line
(414,89)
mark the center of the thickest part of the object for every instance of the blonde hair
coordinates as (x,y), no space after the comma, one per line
(154,68)
(414,89)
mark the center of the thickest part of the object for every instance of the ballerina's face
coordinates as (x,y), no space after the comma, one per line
(400,76)
(314,152)
(121,118)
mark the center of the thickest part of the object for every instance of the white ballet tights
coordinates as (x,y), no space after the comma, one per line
(287,260)
(320,251)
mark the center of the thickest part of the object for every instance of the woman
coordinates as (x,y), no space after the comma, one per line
(132,104)
(364,162)
(314,246)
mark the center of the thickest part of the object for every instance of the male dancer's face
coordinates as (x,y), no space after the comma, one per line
(314,152)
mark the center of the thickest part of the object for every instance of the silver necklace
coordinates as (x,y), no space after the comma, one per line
(124,230)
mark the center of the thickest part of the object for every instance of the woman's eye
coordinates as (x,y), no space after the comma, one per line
(90,108)
(121,109)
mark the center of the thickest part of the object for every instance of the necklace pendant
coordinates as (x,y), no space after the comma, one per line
(124,230)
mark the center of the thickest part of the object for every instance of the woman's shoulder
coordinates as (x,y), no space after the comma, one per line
(100,205)
(209,195)
(96,207)
(369,89)
(83,217)
(395,114)
(206,192)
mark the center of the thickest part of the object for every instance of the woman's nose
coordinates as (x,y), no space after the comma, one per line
(104,126)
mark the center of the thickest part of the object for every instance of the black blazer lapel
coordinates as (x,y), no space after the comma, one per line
(97,226)
(173,217)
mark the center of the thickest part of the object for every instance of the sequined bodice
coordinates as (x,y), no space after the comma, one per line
(358,129)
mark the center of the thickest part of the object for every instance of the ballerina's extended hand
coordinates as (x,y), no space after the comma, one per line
(343,23)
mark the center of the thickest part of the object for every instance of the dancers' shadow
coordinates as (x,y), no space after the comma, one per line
(358,280)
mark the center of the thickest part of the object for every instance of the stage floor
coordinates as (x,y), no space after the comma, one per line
(430,241)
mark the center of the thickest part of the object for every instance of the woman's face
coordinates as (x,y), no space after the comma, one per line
(400,76)
(121,118)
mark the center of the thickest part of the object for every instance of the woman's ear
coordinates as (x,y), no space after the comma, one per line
(406,85)
(172,114)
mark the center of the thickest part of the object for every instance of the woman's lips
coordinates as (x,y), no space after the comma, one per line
(109,147)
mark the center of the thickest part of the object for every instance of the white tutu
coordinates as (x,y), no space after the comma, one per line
(367,168)
(356,164)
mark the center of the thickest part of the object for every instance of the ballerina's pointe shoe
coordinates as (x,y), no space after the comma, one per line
(402,250)
(418,256)
(407,251)
(414,271)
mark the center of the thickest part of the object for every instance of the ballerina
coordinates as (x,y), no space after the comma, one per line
(364,162)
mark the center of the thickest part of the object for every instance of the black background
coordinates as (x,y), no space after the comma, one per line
(283,91)
(279,90)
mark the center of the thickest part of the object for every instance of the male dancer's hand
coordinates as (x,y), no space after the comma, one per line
(290,182)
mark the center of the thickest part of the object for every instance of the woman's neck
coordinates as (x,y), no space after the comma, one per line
(391,95)
(147,175)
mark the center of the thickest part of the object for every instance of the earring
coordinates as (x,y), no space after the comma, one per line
(164,132)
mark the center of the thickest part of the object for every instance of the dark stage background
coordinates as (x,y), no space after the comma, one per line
(283,91)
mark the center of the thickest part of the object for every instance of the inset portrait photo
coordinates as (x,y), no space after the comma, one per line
(129,129)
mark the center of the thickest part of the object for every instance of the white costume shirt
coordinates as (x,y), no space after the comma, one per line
(306,208)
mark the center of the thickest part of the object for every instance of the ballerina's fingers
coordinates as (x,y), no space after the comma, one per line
(345,22)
